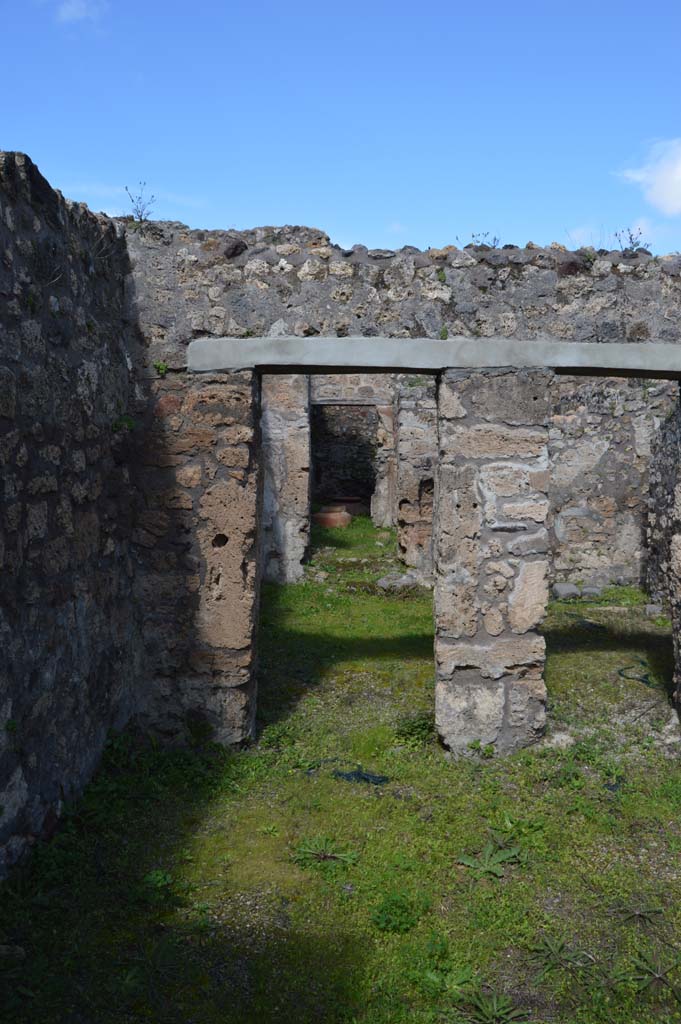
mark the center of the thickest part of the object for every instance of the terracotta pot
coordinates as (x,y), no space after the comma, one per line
(355,506)
(332,516)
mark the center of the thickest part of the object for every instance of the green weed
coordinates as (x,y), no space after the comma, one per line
(491,861)
(397,912)
(321,852)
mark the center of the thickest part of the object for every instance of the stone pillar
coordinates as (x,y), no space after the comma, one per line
(416,405)
(490,540)
(664,529)
(383,500)
(197,574)
(285,427)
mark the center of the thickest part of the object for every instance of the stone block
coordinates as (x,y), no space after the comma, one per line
(528,600)
(491,441)
(456,604)
(459,513)
(494,659)
(534,509)
(8,394)
(508,713)
(505,395)
(469,710)
(529,544)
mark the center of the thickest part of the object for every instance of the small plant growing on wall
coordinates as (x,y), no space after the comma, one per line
(161,368)
(141,204)
(123,424)
(630,238)
(482,238)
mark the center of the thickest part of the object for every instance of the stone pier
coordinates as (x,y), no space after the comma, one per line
(491,543)
(196,566)
(285,427)
(416,408)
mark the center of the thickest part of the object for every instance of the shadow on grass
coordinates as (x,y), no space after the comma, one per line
(575,633)
(100,925)
(292,662)
(321,537)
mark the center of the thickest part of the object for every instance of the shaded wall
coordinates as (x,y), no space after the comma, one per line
(195,543)
(344,441)
(71,636)
(130,497)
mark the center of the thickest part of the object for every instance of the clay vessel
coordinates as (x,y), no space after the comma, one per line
(332,516)
(355,506)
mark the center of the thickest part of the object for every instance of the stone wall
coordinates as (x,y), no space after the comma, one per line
(198,570)
(664,518)
(273,281)
(664,528)
(285,523)
(491,543)
(291,280)
(416,444)
(128,511)
(384,499)
(195,543)
(599,446)
(71,637)
(132,492)
(352,388)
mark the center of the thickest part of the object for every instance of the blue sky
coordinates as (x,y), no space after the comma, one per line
(387,123)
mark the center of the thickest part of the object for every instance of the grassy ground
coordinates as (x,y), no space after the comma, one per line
(343,870)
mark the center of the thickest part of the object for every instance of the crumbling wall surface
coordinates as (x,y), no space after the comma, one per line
(417,442)
(490,538)
(70,637)
(384,499)
(599,447)
(285,523)
(352,388)
(198,567)
(664,528)
(291,280)
(664,514)
(196,571)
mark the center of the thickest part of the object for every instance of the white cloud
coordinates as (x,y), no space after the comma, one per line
(80,10)
(660,177)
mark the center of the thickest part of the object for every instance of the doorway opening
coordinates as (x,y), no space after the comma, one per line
(358,618)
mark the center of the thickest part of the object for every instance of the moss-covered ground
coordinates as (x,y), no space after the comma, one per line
(343,870)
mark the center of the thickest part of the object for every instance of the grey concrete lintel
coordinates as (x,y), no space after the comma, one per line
(321,355)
